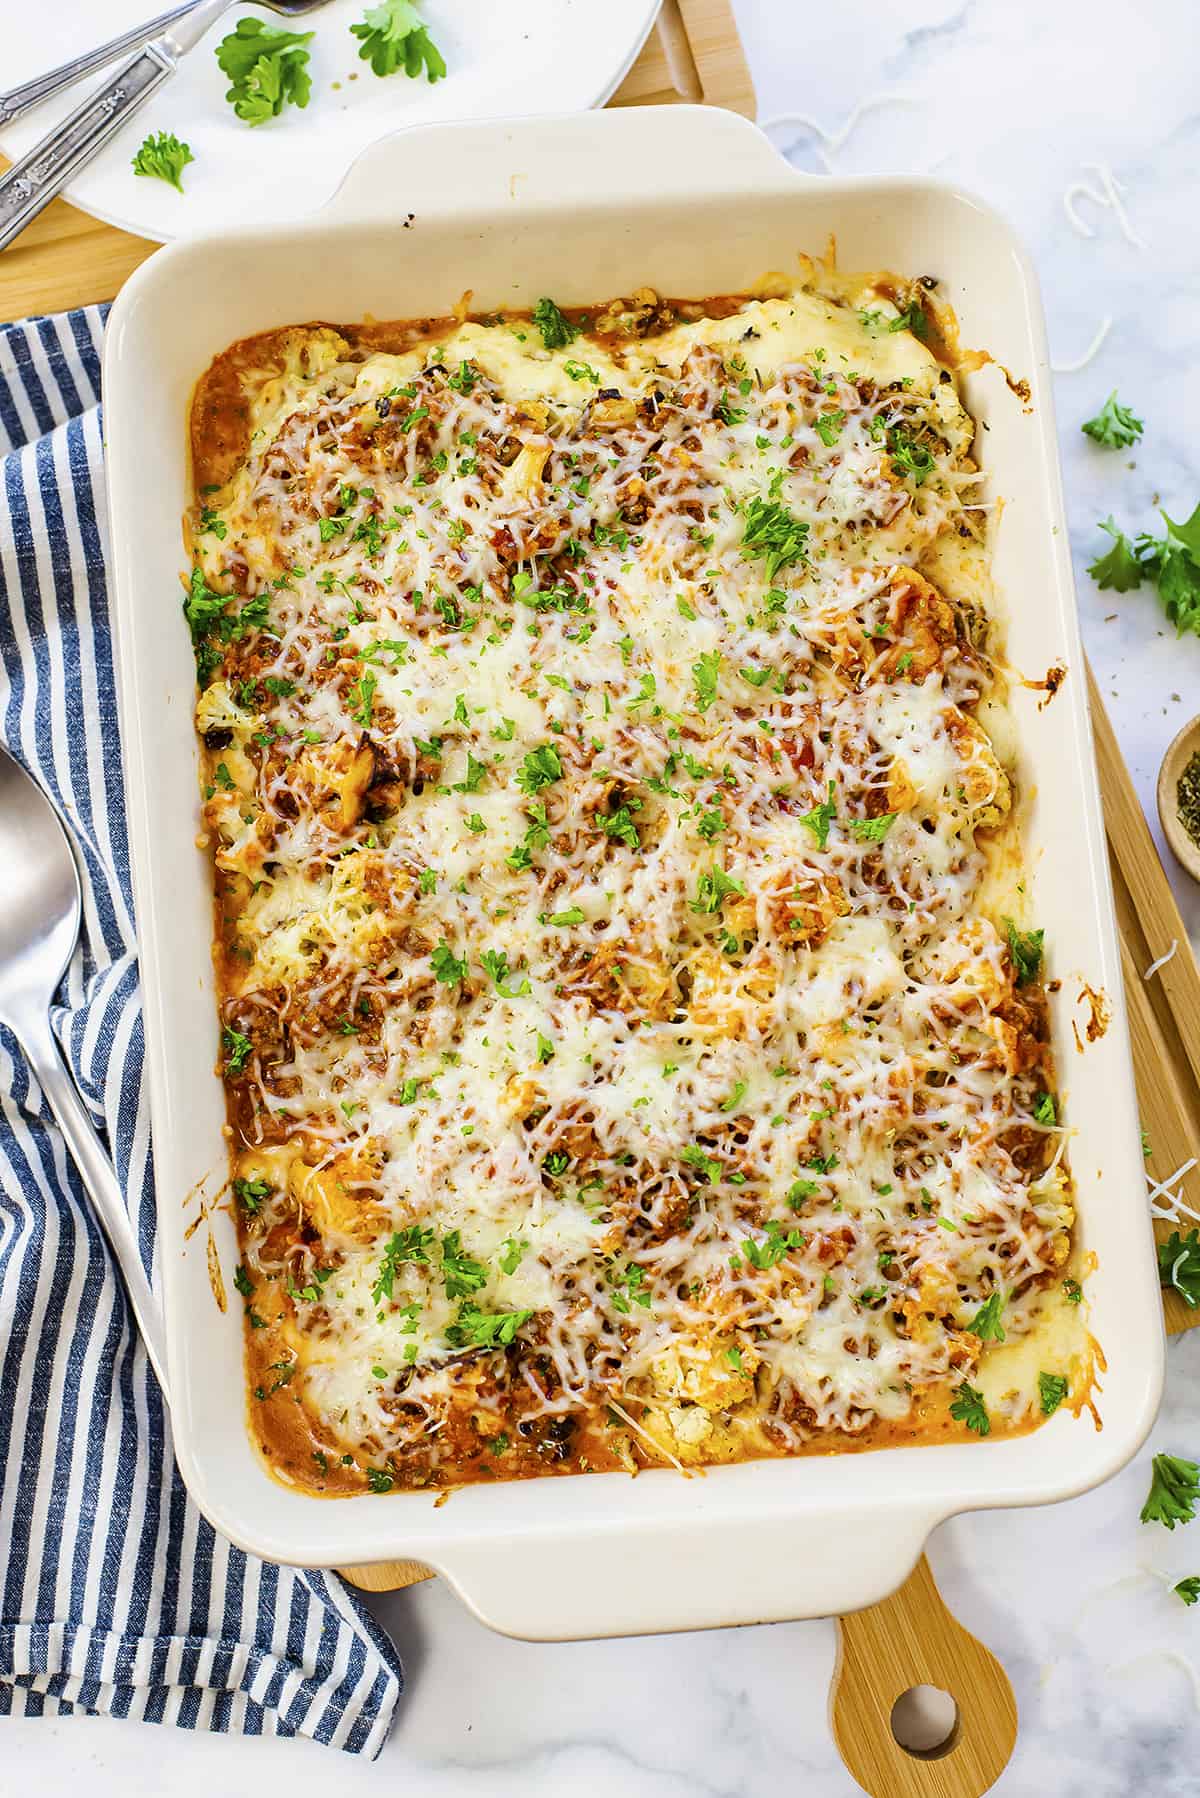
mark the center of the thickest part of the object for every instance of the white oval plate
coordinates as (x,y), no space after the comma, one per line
(511,58)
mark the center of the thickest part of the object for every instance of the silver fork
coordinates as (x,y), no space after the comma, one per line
(34,181)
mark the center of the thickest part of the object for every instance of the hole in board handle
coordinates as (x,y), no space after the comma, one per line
(925,1722)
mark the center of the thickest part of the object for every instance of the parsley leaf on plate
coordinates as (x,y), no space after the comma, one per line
(162,155)
(1174,1488)
(267,69)
(393,38)
(1114,426)
(1188,1589)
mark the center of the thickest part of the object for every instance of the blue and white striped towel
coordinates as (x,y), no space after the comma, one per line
(115,1594)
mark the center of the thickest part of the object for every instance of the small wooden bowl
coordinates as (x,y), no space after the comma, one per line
(1180,753)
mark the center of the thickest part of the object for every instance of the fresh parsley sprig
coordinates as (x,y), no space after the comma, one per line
(163,156)
(267,69)
(1170,562)
(394,38)
(1179,1265)
(1174,1488)
(1114,426)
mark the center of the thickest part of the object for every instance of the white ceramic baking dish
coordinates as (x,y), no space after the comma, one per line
(692,202)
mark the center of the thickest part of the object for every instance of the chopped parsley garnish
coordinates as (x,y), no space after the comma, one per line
(461,1275)
(713,889)
(1025,949)
(968,1407)
(165,157)
(1188,1589)
(267,69)
(250,1194)
(448,967)
(495,964)
(242,1282)
(986,1322)
(541,768)
(362,699)
(473,1328)
(1052,1390)
(379,1479)
(708,1168)
(774,533)
(1045,1110)
(773,1248)
(511,1252)
(629,1288)
(1174,1488)
(909,458)
(238,1049)
(871,830)
(394,38)
(829,426)
(1114,426)
(911,319)
(410,1244)
(820,818)
(556,329)
(620,825)
(705,675)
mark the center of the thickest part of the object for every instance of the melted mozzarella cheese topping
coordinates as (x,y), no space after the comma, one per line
(610,1004)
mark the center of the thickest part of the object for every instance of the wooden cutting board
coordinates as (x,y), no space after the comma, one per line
(67,259)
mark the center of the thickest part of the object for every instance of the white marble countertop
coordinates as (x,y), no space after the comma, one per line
(1014,100)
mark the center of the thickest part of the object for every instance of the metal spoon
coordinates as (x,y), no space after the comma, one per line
(40,907)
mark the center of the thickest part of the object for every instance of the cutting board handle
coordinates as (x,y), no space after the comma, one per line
(911,1639)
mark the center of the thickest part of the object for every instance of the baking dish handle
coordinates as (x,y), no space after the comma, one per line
(517,164)
(731,1569)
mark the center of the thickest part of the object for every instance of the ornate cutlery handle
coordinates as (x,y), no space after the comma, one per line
(20,100)
(34,181)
